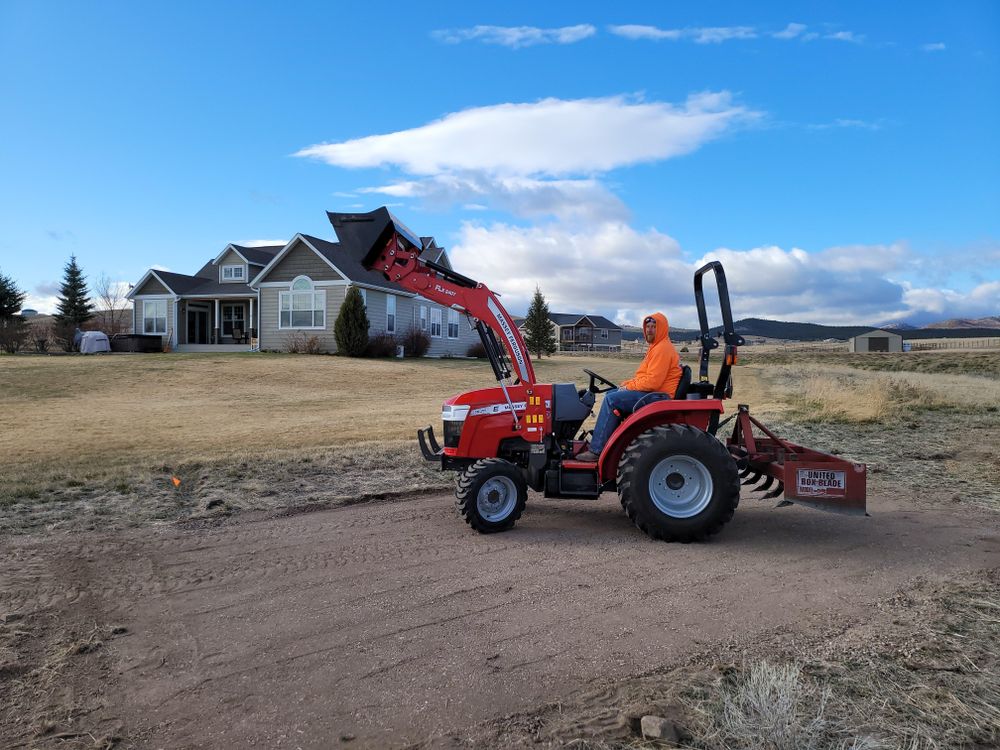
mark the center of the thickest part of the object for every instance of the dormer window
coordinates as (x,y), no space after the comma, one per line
(233,273)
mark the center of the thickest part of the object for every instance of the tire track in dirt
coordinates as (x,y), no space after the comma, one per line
(393,621)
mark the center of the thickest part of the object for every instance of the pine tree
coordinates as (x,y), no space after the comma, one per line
(11,298)
(538,332)
(74,307)
(13,328)
(351,328)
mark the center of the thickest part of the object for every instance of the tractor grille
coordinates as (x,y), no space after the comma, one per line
(452,432)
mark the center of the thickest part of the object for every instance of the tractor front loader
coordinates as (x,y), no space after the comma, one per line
(676,480)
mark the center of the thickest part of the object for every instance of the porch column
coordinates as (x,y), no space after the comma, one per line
(250,325)
(218,323)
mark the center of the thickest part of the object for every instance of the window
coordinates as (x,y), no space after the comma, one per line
(232,273)
(453,324)
(390,313)
(567,334)
(604,333)
(154,316)
(436,322)
(302,306)
(364,296)
(423,317)
(232,317)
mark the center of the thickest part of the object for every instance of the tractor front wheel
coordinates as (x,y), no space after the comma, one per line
(678,483)
(491,495)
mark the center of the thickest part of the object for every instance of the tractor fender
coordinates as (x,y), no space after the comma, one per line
(694,412)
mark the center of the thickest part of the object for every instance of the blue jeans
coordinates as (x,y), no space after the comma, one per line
(623,401)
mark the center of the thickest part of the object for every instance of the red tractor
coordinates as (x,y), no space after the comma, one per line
(675,479)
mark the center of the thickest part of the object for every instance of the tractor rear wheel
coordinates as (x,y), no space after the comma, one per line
(491,495)
(678,483)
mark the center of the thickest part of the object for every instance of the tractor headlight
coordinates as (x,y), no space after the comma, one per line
(453,418)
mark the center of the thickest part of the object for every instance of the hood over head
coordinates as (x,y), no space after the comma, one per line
(662,327)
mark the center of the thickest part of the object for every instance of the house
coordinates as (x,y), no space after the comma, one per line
(876,340)
(576,332)
(270,294)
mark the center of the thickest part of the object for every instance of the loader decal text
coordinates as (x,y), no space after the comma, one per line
(498,408)
(820,482)
(505,327)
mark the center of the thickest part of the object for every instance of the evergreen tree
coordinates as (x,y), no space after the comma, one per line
(74,307)
(11,298)
(538,332)
(13,328)
(351,328)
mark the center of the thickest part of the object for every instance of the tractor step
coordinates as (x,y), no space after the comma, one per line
(574,479)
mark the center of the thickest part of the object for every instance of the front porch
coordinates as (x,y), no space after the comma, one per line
(221,323)
(217,348)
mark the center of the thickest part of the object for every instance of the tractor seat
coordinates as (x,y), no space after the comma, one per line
(680,393)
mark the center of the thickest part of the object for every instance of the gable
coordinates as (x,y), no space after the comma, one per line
(231,258)
(151,286)
(301,260)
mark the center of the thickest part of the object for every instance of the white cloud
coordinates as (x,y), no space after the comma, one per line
(516,37)
(846,122)
(550,137)
(718,34)
(43,303)
(935,47)
(572,200)
(700,35)
(791,31)
(615,270)
(639,31)
(846,36)
(259,243)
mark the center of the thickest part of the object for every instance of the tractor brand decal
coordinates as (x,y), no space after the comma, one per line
(449,292)
(511,338)
(497,409)
(820,482)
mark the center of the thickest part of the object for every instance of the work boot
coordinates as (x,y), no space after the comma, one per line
(587,456)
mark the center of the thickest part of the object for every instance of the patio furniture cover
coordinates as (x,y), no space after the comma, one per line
(94,342)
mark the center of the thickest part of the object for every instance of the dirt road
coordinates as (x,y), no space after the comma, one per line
(383,624)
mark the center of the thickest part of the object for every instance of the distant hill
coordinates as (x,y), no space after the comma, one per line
(991,322)
(788,331)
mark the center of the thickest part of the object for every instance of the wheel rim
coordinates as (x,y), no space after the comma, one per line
(680,486)
(496,499)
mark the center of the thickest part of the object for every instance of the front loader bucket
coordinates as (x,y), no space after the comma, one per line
(371,232)
(805,476)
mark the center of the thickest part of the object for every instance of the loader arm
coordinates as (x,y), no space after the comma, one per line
(395,251)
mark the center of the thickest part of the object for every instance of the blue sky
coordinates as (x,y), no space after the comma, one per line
(840,158)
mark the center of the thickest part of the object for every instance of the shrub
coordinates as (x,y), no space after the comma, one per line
(477,350)
(685,349)
(415,343)
(64,333)
(381,345)
(13,334)
(299,343)
(351,328)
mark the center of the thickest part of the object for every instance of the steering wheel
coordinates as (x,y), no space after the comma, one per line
(595,379)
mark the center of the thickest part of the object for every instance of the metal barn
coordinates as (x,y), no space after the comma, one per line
(876,341)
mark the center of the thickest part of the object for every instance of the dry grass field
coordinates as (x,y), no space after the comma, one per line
(93,441)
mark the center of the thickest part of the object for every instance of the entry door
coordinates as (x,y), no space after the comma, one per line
(197,326)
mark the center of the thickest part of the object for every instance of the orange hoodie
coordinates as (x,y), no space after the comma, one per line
(660,370)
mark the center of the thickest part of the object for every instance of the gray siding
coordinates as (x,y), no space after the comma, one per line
(302,261)
(137,320)
(152,286)
(274,339)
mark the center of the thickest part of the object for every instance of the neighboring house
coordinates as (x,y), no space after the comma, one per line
(277,292)
(876,341)
(576,332)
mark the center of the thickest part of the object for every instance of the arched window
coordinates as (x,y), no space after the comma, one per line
(302,306)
